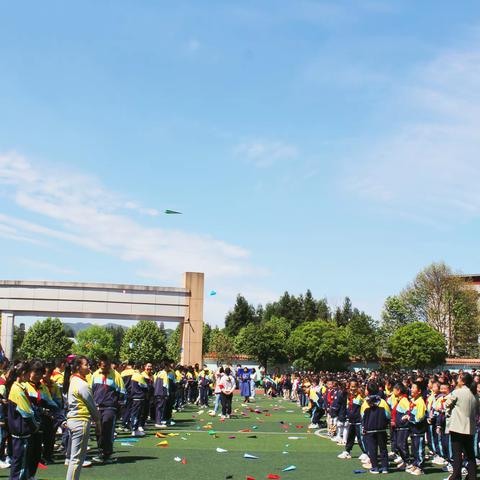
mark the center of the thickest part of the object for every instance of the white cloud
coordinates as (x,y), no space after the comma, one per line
(429,166)
(266,153)
(85,214)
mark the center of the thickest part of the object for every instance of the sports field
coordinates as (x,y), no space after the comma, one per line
(200,435)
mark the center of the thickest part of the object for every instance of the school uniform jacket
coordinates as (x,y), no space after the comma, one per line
(354,406)
(375,414)
(21,417)
(138,387)
(107,390)
(417,415)
(81,405)
(399,408)
(161,384)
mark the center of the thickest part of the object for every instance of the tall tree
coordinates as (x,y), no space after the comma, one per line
(95,341)
(46,340)
(242,315)
(174,345)
(444,301)
(18,337)
(223,345)
(118,333)
(418,345)
(266,342)
(144,342)
(310,307)
(344,315)
(319,345)
(207,335)
(362,336)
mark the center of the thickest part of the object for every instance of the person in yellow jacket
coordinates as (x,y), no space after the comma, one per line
(81,411)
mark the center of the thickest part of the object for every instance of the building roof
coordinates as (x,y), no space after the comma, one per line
(213,356)
(463,361)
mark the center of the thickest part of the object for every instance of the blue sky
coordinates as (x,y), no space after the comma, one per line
(310,144)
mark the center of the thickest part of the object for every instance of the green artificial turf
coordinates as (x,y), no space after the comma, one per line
(313,456)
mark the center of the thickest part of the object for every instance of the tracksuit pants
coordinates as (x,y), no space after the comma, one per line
(19,465)
(136,413)
(355,432)
(418,449)
(34,452)
(226,404)
(402,444)
(160,405)
(374,442)
(79,435)
(108,417)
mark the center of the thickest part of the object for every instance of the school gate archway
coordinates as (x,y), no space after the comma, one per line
(108,301)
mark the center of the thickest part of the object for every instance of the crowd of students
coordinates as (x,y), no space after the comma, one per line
(438,414)
(40,401)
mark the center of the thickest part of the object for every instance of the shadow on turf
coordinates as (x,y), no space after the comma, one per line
(134,459)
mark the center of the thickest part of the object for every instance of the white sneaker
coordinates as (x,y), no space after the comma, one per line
(313,425)
(141,429)
(363,457)
(4,465)
(397,460)
(160,425)
(67,462)
(416,471)
(438,460)
(344,456)
(171,422)
(138,433)
(86,464)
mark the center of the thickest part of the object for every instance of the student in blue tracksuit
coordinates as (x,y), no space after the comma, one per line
(416,417)
(375,423)
(399,405)
(22,423)
(354,421)
(138,391)
(161,386)
(108,391)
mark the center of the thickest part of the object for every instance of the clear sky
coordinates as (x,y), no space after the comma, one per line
(330,145)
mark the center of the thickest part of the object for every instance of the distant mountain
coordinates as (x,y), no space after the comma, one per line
(78,327)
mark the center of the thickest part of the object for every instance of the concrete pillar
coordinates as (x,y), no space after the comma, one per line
(6,334)
(192,331)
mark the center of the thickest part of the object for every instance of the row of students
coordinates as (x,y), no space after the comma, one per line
(414,413)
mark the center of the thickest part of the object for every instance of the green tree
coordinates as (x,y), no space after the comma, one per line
(344,315)
(174,344)
(144,342)
(265,342)
(242,315)
(319,345)
(207,334)
(18,336)
(445,302)
(222,344)
(118,333)
(46,340)
(95,341)
(361,332)
(310,307)
(418,345)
